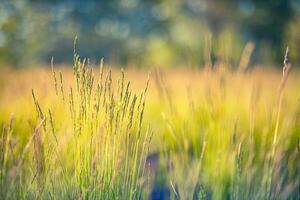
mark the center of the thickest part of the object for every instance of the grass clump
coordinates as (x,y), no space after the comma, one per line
(91,144)
(110,147)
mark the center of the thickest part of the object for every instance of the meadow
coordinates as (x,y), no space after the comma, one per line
(95,132)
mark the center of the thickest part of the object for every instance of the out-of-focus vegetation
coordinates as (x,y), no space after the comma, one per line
(146,33)
(193,134)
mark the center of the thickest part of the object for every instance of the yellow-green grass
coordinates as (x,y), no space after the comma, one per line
(213,134)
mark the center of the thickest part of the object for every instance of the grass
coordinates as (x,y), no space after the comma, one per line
(89,133)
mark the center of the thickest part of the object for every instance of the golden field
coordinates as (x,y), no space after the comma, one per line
(192,134)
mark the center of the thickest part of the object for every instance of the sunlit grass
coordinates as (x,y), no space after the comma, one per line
(213,134)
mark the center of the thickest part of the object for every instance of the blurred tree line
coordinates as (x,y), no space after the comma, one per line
(147,32)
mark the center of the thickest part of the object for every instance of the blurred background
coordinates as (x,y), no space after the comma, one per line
(143,33)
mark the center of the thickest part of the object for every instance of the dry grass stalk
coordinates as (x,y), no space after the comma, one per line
(246,55)
(285,72)
(26,148)
(3,146)
(52,126)
(54,76)
(39,159)
(61,85)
